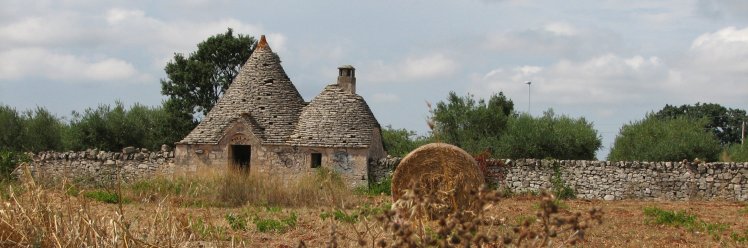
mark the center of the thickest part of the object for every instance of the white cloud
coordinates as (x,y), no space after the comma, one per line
(603,79)
(41,30)
(713,69)
(117,15)
(722,8)
(723,51)
(411,69)
(37,62)
(385,98)
(555,39)
(428,66)
(561,28)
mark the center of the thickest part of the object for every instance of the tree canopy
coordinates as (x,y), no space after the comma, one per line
(196,82)
(470,124)
(725,123)
(399,142)
(670,139)
(549,136)
(492,125)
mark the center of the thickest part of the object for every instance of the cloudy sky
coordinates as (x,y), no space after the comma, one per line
(608,61)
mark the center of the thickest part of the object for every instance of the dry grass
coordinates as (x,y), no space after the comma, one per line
(181,212)
(234,188)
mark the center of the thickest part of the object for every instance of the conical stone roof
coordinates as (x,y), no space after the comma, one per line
(335,118)
(263,93)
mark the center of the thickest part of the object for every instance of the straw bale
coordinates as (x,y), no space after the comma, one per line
(441,167)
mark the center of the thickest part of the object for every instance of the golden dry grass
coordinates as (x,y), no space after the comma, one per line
(187,212)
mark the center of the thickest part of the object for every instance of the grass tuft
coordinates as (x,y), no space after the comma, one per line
(682,219)
(105,197)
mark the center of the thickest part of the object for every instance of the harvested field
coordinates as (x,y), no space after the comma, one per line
(624,222)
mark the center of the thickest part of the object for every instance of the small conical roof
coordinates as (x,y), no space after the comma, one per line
(335,118)
(263,93)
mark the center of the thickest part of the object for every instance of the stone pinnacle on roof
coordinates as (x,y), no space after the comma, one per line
(261,95)
(263,42)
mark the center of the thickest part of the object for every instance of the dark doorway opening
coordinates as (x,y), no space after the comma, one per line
(316,160)
(241,155)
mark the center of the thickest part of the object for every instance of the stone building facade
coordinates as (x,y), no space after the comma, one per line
(262,123)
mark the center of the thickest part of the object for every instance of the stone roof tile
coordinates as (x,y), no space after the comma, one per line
(335,118)
(261,90)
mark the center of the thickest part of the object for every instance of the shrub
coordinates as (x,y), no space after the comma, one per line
(11,129)
(236,222)
(654,139)
(104,196)
(682,219)
(9,161)
(381,188)
(549,136)
(737,153)
(399,142)
(559,187)
(276,225)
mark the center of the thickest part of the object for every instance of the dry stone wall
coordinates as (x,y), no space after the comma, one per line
(617,180)
(94,166)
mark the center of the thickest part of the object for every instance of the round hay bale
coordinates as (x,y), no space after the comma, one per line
(441,167)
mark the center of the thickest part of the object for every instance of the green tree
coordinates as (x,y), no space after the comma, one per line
(669,139)
(11,129)
(170,124)
(723,122)
(469,124)
(548,136)
(400,142)
(197,81)
(43,131)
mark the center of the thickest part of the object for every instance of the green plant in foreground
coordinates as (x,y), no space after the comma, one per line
(738,237)
(383,187)
(236,222)
(104,196)
(560,189)
(276,225)
(341,216)
(744,210)
(207,230)
(682,219)
(365,211)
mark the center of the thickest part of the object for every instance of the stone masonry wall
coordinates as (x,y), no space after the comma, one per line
(618,180)
(93,166)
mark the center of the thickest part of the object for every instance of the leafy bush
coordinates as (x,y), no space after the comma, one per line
(9,161)
(548,136)
(339,215)
(470,124)
(737,153)
(654,139)
(477,126)
(276,225)
(682,219)
(236,222)
(723,122)
(400,142)
(11,129)
(383,187)
(559,187)
(104,196)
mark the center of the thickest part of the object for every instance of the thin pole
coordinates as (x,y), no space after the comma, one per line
(528,98)
(742,137)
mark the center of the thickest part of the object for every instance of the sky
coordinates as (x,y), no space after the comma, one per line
(610,62)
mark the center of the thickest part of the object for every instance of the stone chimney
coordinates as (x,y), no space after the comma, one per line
(347,78)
